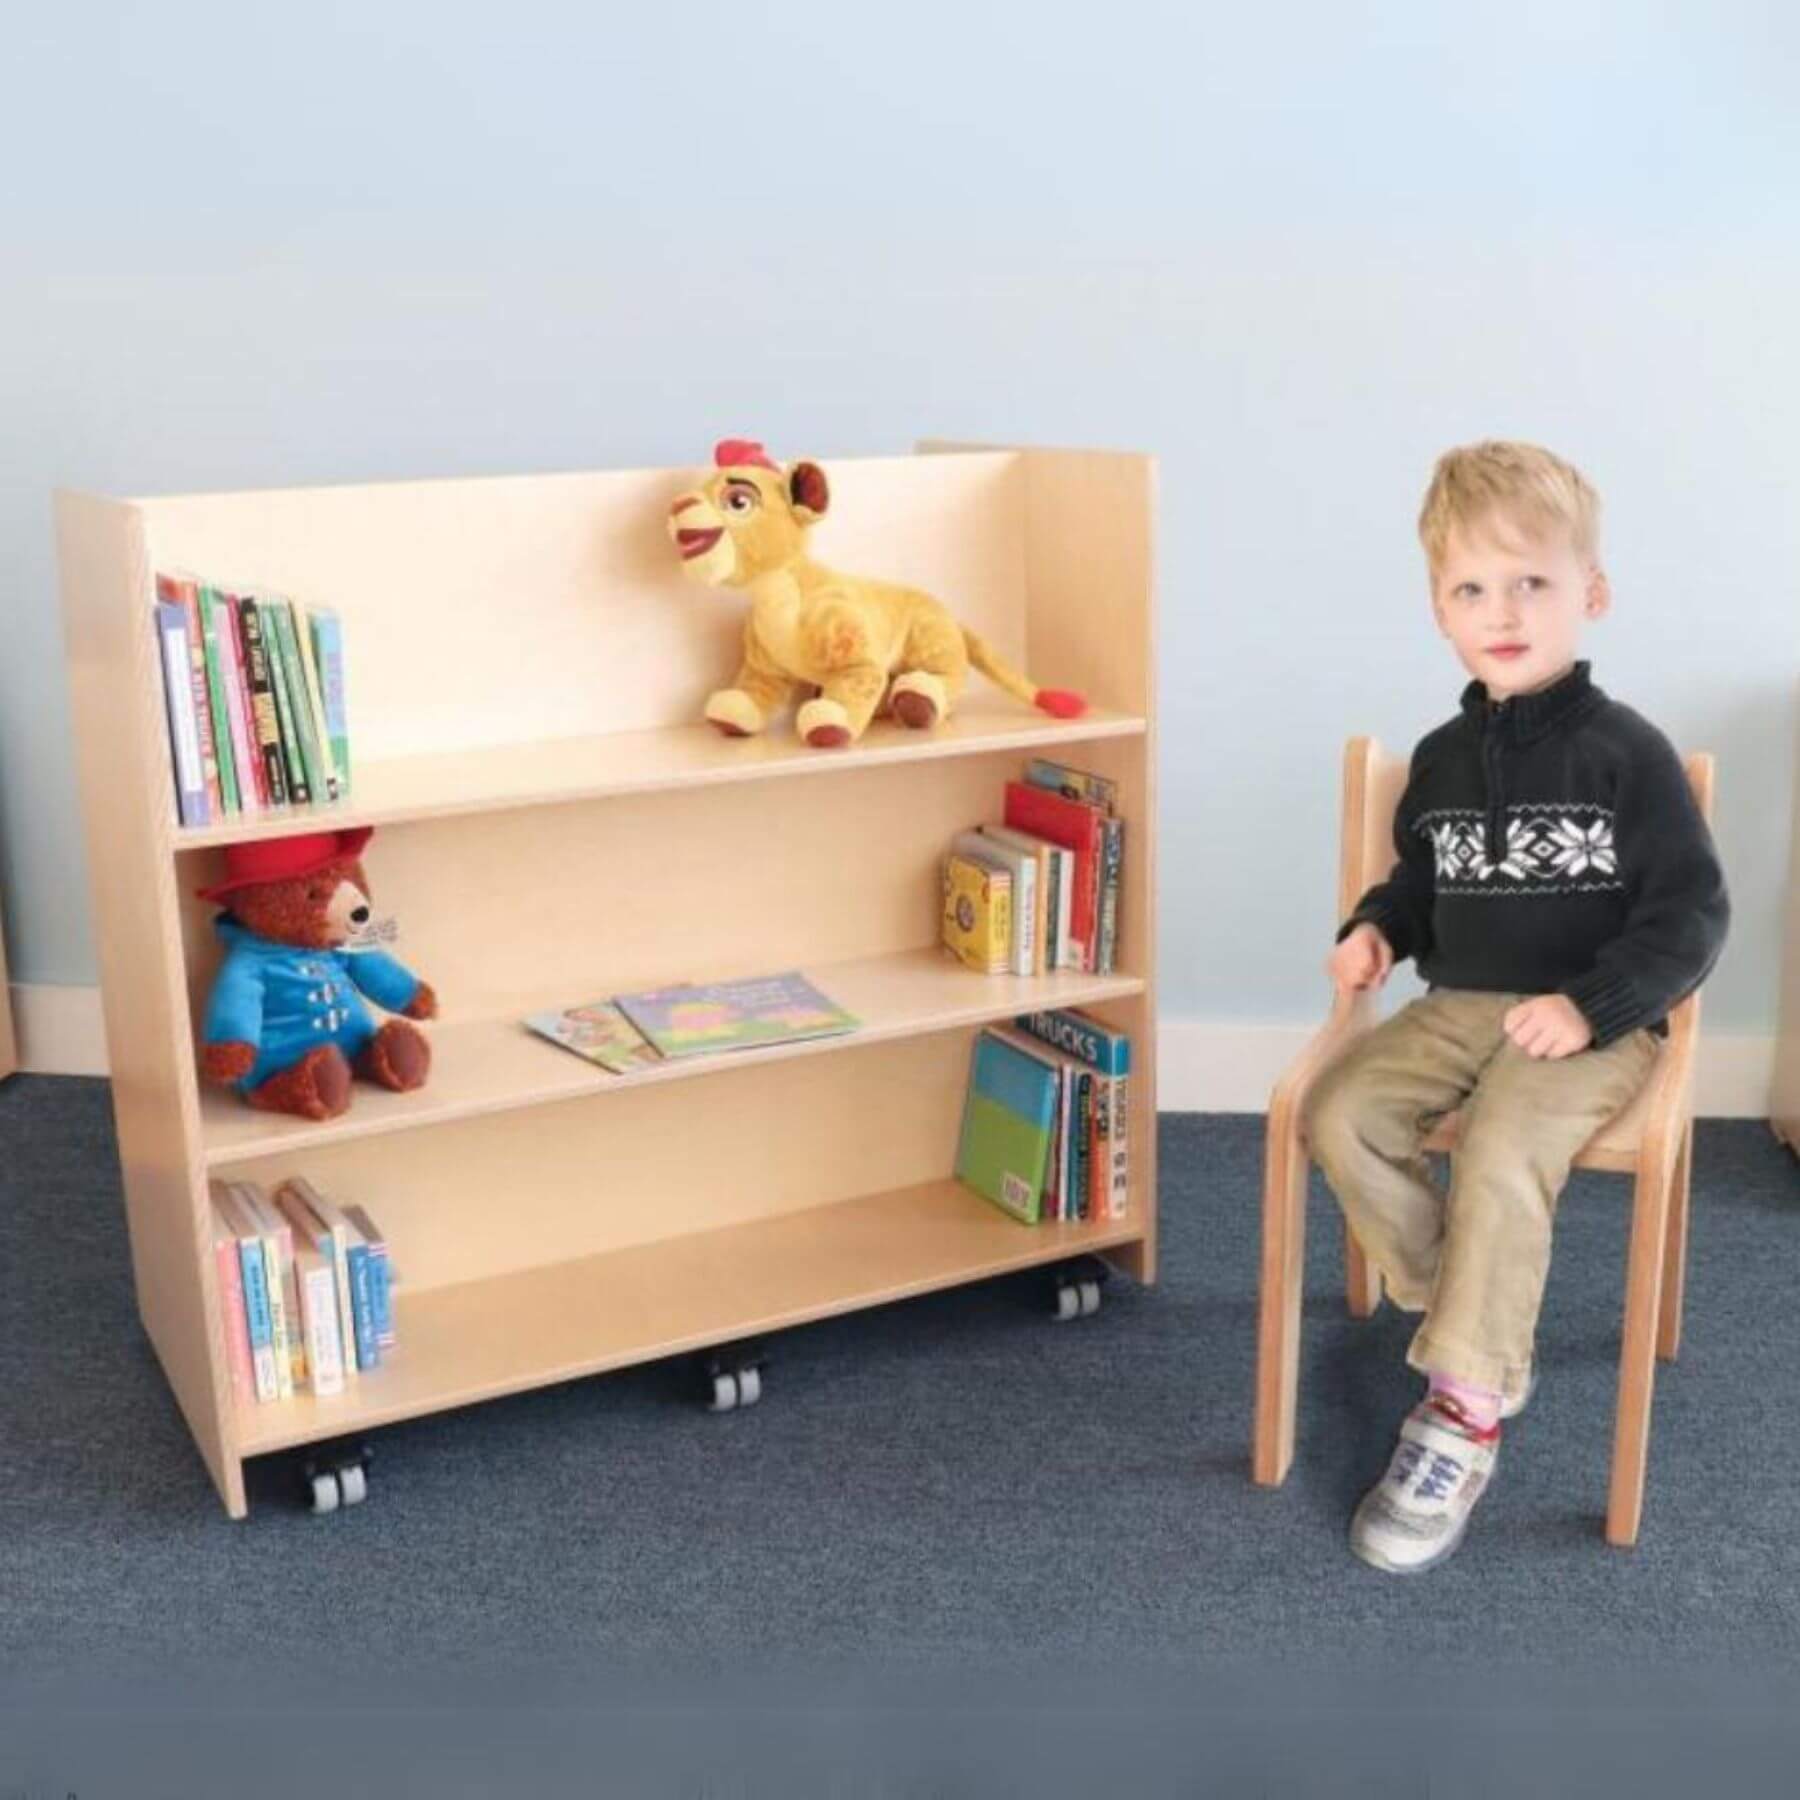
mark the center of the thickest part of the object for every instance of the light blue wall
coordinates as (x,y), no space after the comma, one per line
(1294,254)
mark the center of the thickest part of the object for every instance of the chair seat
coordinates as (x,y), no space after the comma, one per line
(1614,1146)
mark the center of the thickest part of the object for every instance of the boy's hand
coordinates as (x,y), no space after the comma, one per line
(1551,1025)
(1364,959)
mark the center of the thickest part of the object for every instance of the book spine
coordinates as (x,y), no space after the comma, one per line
(290,1289)
(256,1312)
(278,1315)
(184,735)
(213,662)
(385,1335)
(1100,1174)
(1109,894)
(315,701)
(262,701)
(233,1319)
(1084,1137)
(294,671)
(295,769)
(318,1306)
(1121,1155)
(186,595)
(328,643)
(368,1347)
(246,757)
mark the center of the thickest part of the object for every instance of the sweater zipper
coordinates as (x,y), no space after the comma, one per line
(1496,795)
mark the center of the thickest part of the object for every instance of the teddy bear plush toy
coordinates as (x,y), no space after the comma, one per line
(286,1024)
(847,648)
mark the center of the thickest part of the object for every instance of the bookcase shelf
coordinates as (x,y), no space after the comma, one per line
(543,773)
(497,1065)
(524,671)
(484,1338)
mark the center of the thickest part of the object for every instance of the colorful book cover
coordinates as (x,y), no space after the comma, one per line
(1003,1151)
(1073,1032)
(293,675)
(735,1015)
(601,1033)
(191,802)
(213,658)
(1084,1143)
(257,1316)
(315,701)
(1027,904)
(1078,827)
(385,1334)
(262,700)
(298,787)
(1073,784)
(233,1320)
(977,914)
(186,594)
(328,648)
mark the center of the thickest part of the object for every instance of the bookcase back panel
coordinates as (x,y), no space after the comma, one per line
(517,1190)
(498,611)
(559,905)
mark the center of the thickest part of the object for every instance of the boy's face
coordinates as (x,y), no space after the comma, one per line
(1513,604)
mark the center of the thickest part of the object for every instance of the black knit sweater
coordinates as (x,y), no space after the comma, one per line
(1550,844)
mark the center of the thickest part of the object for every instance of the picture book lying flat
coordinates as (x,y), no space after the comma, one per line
(734,1015)
(600,1032)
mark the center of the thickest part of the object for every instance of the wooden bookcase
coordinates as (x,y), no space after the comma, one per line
(525,667)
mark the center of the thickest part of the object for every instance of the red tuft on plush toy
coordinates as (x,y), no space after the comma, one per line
(286,1025)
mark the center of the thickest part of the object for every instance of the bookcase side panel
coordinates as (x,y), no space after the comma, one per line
(9,1045)
(538,607)
(123,763)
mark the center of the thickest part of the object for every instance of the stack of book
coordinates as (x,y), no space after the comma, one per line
(1044,1127)
(1039,891)
(305,1287)
(255,695)
(637,1031)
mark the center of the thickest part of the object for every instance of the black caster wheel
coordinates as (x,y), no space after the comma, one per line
(1075,1289)
(335,1478)
(731,1377)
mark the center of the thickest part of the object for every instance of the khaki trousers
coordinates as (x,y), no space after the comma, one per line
(1472,1260)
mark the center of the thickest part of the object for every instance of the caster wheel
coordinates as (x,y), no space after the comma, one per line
(1077,1290)
(732,1378)
(335,1478)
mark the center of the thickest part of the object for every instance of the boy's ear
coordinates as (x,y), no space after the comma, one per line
(809,491)
(1599,595)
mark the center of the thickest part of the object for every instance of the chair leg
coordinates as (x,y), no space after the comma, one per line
(1637,1356)
(1674,1275)
(1362,1280)
(1278,1307)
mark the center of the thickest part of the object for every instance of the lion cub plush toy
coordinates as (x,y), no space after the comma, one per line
(855,647)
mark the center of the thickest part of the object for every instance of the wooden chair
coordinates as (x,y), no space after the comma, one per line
(1651,1139)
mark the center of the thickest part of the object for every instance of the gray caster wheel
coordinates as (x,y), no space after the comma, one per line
(1077,1290)
(336,1478)
(733,1380)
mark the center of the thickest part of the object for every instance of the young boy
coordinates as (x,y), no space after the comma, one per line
(1559,893)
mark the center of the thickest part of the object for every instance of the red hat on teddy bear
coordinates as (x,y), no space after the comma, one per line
(285,859)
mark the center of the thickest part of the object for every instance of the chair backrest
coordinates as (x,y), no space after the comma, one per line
(1373,784)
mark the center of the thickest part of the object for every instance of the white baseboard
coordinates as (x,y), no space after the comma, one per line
(1206,1067)
(1203,1067)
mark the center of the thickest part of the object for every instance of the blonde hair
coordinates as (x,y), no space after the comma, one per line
(1532,487)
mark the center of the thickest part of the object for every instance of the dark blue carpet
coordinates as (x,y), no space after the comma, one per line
(951,1479)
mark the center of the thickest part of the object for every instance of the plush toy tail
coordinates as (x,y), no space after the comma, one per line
(1061,703)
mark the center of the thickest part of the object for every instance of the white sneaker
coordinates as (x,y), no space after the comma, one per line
(1415,1516)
